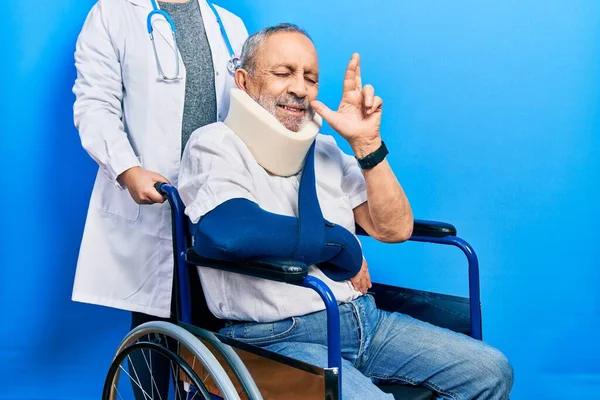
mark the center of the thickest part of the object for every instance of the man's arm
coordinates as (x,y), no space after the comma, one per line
(386,215)
(239,230)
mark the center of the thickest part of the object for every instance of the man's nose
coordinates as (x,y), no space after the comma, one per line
(298,87)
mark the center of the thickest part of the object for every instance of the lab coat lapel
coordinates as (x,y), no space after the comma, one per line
(142,3)
(217,48)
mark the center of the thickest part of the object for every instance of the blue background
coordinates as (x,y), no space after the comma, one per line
(492,118)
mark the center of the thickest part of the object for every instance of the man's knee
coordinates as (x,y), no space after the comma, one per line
(497,374)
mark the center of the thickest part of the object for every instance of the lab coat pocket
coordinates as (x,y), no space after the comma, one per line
(115,201)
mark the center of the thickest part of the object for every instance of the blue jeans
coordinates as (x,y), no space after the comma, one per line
(383,347)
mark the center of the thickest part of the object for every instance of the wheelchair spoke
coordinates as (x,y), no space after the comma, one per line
(194,396)
(175,383)
(178,372)
(206,376)
(175,374)
(152,377)
(138,383)
(149,365)
(117,389)
(193,366)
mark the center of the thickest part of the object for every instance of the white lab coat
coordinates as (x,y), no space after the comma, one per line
(126,118)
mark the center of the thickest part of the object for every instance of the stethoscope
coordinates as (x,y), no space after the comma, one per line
(232,64)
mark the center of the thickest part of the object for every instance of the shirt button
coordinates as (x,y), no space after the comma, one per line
(219,116)
(217,73)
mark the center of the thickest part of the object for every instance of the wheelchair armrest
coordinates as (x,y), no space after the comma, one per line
(423,228)
(274,269)
(433,229)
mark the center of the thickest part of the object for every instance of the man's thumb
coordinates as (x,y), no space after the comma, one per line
(323,111)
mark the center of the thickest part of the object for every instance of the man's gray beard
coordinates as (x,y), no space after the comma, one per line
(292,123)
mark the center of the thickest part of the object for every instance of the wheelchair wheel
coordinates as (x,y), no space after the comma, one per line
(150,364)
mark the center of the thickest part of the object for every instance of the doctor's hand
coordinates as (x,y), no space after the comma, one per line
(362,280)
(358,117)
(140,183)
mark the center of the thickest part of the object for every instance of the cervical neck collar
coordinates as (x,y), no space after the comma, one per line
(276,148)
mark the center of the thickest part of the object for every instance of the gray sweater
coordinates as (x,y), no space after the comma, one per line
(200,107)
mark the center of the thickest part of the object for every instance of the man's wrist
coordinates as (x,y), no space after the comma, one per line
(363,148)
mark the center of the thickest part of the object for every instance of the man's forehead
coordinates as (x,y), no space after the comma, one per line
(290,50)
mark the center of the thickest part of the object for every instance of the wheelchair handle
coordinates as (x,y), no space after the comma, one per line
(158,186)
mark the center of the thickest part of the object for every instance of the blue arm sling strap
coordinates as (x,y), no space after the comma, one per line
(239,230)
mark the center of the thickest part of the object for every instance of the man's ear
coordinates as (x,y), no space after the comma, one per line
(241,78)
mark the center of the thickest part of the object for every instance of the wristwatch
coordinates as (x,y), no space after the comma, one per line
(371,160)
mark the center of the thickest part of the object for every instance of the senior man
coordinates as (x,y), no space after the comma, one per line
(224,182)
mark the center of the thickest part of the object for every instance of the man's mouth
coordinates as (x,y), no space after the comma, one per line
(292,109)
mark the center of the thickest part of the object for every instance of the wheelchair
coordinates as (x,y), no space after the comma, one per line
(206,365)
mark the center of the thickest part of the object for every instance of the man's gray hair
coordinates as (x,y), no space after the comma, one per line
(253,43)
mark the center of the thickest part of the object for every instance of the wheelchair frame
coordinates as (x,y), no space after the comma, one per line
(296,273)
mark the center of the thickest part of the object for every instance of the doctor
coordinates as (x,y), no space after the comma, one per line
(134,123)
(148,74)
